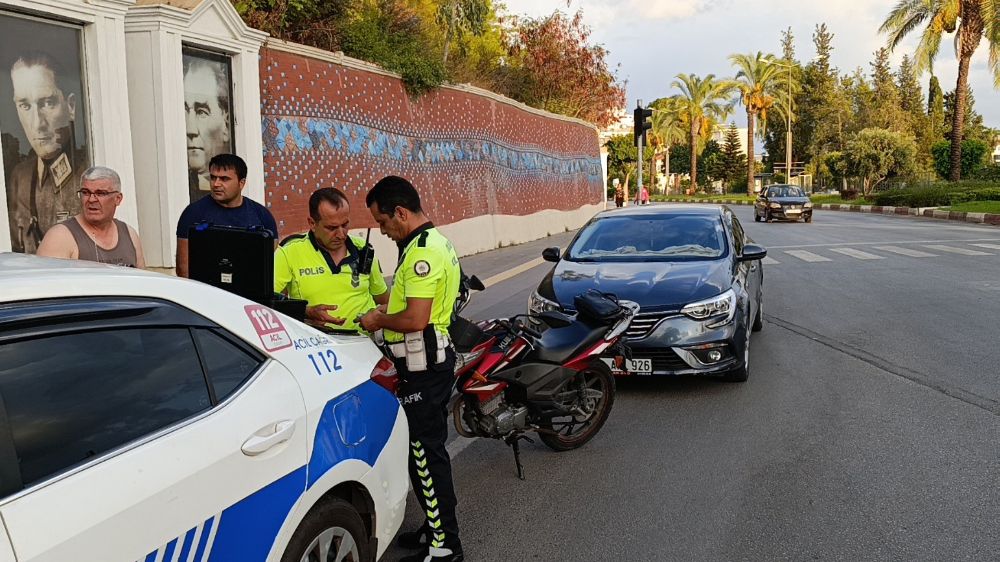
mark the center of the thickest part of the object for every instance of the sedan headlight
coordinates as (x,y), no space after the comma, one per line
(538,304)
(775,205)
(808,205)
(719,310)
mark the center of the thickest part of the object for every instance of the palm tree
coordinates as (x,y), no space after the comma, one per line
(759,82)
(971,20)
(668,130)
(703,104)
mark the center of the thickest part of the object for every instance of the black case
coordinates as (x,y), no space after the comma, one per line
(238,260)
(597,307)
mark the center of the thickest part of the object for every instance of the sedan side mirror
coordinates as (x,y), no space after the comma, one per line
(753,252)
(551,254)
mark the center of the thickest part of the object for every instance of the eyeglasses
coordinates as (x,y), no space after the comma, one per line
(100,193)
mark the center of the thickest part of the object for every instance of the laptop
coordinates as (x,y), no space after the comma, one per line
(238,260)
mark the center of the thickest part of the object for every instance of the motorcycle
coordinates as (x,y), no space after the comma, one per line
(536,373)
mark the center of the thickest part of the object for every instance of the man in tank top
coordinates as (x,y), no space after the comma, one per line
(95,234)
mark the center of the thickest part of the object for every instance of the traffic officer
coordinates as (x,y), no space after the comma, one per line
(335,273)
(415,329)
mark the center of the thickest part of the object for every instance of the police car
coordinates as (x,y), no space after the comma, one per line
(154,419)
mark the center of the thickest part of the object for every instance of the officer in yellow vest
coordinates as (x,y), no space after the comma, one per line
(335,273)
(415,328)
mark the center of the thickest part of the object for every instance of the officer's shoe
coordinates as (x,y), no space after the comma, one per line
(413,540)
(432,554)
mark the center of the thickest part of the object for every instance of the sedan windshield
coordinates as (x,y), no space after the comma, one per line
(785,192)
(652,238)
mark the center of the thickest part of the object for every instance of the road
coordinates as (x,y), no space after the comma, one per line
(869,429)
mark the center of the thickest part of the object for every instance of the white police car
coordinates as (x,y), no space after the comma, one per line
(152,419)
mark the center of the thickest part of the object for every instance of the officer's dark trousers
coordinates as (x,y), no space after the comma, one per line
(425,396)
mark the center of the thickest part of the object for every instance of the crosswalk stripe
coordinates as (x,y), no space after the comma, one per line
(858,254)
(905,251)
(988,246)
(769,261)
(806,256)
(954,250)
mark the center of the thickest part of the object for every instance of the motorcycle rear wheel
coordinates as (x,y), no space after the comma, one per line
(572,431)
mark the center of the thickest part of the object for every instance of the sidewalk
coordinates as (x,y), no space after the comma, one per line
(925,212)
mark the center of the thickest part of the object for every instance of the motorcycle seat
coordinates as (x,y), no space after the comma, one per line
(558,344)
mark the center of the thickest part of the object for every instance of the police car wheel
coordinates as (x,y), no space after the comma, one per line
(333,530)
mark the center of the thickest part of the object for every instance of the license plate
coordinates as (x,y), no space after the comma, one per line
(634,366)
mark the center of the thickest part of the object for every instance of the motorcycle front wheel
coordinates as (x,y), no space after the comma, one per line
(590,395)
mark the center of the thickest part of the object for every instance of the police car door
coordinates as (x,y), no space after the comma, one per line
(126,452)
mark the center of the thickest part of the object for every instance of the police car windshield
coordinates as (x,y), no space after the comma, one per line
(650,238)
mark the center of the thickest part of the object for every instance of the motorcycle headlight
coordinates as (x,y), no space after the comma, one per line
(538,304)
(775,205)
(719,310)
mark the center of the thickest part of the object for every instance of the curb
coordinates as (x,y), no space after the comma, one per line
(925,212)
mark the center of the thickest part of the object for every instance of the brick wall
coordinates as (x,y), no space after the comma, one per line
(342,124)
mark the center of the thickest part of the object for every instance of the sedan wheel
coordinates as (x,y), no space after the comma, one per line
(332,531)
(758,320)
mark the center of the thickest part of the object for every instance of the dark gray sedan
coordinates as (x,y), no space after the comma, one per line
(787,202)
(694,272)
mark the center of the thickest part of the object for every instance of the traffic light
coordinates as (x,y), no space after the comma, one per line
(642,124)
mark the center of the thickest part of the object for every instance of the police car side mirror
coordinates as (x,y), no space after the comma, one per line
(551,254)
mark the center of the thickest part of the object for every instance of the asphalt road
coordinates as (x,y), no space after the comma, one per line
(868,430)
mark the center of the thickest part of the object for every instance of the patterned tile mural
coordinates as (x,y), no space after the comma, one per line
(326,124)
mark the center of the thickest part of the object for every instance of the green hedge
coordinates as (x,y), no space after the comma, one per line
(940,195)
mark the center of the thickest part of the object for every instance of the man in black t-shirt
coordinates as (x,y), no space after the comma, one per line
(224,206)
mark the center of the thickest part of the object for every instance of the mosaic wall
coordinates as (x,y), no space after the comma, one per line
(326,124)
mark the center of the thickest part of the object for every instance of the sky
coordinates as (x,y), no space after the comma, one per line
(654,40)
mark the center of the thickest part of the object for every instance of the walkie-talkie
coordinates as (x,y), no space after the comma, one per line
(367,256)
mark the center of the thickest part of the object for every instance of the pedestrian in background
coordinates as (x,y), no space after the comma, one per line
(619,196)
(644,196)
(95,234)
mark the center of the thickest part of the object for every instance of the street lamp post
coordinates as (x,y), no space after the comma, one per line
(788,130)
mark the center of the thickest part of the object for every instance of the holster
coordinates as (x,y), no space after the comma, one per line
(421,349)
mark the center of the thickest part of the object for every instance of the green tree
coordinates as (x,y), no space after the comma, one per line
(822,110)
(758,80)
(734,162)
(974,155)
(971,21)
(935,108)
(459,17)
(911,101)
(703,104)
(622,157)
(886,109)
(875,155)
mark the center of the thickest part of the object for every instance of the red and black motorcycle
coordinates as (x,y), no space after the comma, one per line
(539,373)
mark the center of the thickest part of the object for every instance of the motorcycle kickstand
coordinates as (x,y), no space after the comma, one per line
(513,442)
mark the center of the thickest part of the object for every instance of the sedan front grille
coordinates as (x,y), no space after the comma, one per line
(663,359)
(644,322)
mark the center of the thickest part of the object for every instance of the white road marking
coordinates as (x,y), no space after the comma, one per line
(988,246)
(858,254)
(905,251)
(459,445)
(806,256)
(489,282)
(954,250)
(769,261)
(885,242)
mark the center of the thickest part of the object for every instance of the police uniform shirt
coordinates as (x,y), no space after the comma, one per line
(428,269)
(308,272)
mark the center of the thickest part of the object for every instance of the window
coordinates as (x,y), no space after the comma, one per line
(739,238)
(650,238)
(73,396)
(228,366)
